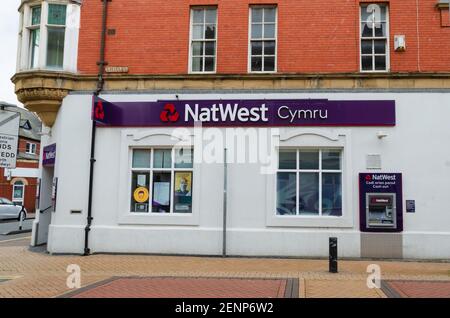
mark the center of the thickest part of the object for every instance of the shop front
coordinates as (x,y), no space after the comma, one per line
(254,174)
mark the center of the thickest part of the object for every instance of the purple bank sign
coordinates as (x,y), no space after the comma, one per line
(49,155)
(257,112)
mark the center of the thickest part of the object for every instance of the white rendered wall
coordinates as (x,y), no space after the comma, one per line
(415,147)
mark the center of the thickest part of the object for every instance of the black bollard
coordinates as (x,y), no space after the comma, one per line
(333,255)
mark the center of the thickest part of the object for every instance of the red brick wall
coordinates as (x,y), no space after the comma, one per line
(152,37)
(23,143)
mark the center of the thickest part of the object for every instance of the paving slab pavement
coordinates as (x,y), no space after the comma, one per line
(34,273)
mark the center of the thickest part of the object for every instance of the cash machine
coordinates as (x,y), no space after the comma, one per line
(381,202)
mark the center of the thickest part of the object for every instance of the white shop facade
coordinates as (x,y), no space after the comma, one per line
(285,170)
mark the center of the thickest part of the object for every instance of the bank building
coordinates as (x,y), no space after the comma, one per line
(240,128)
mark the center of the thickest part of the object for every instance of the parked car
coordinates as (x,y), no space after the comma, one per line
(10,210)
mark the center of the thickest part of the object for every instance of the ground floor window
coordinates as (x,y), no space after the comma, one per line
(161,180)
(309,182)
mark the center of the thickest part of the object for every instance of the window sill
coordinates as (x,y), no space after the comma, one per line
(309,221)
(376,72)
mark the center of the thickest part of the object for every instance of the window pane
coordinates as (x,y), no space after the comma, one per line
(308,194)
(383,11)
(198,16)
(256,31)
(209,64)
(210,31)
(210,16)
(36,15)
(366,30)
(365,15)
(139,191)
(269,64)
(210,48)
(197,48)
(141,158)
(286,193)
(366,47)
(309,159)
(197,64)
(34,48)
(18,191)
(380,29)
(183,158)
(380,46)
(331,160)
(162,158)
(269,31)
(331,194)
(287,159)
(380,63)
(55,47)
(269,47)
(197,32)
(161,192)
(269,15)
(256,47)
(257,14)
(56,14)
(367,63)
(256,64)
(183,192)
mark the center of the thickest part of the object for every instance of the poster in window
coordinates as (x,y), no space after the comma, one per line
(183,192)
(139,192)
(161,193)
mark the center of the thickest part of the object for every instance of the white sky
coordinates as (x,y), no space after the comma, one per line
(9,26)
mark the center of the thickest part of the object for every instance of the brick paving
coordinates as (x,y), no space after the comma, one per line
(417,289)
(32,273)
(169,287)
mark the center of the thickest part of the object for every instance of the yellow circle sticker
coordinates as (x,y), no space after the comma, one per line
(140,195)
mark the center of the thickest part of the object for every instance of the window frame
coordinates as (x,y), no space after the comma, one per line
(68,62)
(320,171)
(30,28)
(191,40)
(151,170)
(49,27)
(386,38)
(249,48)
(33,148)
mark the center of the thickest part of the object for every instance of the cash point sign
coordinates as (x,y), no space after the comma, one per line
(232,113)
(380,183)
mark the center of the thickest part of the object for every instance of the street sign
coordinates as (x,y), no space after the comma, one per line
(9,131)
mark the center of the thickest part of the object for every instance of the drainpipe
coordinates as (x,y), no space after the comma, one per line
(100,81)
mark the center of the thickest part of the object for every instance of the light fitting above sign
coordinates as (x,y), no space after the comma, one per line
(228,113)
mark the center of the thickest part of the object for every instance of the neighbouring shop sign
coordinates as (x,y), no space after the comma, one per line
(9,131)
(49,155)
(228,113)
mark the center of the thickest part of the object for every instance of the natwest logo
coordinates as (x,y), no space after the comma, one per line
(169,113)
(226,112)
(99,112)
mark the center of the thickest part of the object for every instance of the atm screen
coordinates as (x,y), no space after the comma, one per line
(380,210)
